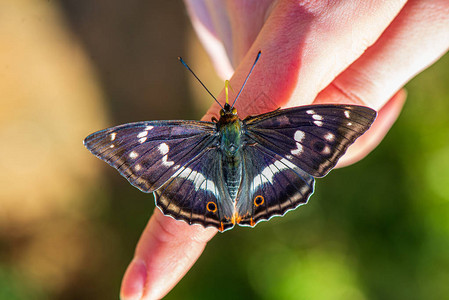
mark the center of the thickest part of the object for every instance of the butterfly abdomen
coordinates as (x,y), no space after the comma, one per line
(232,173)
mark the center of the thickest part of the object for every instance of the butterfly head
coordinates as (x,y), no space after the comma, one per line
(228,110)
(228,115)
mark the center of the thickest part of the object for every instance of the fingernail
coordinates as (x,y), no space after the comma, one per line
(134,280)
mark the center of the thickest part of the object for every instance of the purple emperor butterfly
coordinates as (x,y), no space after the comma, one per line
(232,171)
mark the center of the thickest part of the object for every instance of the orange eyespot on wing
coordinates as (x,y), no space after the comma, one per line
(211,206)
(258,200)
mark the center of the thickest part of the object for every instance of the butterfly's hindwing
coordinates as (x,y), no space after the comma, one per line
(311,137)
(271,186)
(196,193)
(149,153)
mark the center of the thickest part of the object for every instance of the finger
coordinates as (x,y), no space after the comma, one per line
(417,37)
(166,250)
(301,52)
(398,55)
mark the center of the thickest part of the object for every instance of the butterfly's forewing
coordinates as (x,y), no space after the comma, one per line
(150,153)
(197,193)
(311,137)
(271,185)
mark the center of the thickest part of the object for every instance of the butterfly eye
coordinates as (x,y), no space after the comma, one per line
(234,111)
(211,206)
(259,200)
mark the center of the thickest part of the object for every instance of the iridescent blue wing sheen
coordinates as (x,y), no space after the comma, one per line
(148,154)
(197,193)
(271,186)
(311,137)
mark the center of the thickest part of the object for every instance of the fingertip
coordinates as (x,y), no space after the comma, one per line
(133,282)
(165,252)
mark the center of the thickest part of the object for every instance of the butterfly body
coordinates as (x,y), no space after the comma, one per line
(232,171)
(230,129)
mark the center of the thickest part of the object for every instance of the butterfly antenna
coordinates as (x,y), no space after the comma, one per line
(250,71)
(188,68)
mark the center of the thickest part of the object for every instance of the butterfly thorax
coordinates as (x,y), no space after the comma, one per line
(230,128)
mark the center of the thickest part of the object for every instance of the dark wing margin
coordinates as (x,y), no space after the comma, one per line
(149,153)
(312,137)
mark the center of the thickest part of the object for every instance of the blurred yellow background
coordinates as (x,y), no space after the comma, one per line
(69,223)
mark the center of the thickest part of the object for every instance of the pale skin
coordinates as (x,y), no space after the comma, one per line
(359,52)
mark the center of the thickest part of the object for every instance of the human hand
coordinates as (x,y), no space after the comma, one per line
(359,52)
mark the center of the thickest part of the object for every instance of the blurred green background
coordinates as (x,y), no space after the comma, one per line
(69,223)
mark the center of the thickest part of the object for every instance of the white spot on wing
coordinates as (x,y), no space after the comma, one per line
(329,137)
(133,155)
(258,181)
(317,117)
(267,174)
(318,123)
(299,135)
(137,167)
(310,112)
(149,127)
(111,146)
(347,115)
(142,140)
(326,150)
(167,163)
(112,136)
(298,149)
(164,149)
(349,124)
(177,172)
(198,179)
(142,134)
(286,163)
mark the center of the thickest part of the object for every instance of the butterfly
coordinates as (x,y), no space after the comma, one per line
(232,171)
